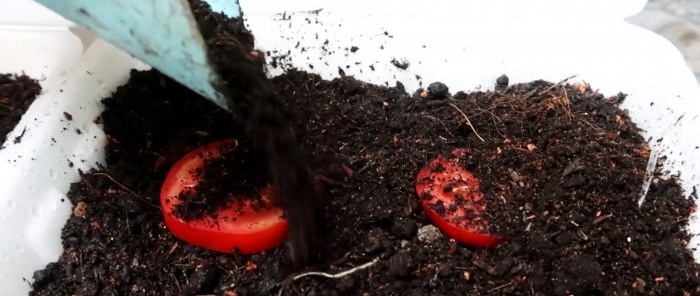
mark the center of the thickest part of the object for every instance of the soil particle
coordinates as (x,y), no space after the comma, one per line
(377,241)
(438,90)
(18,139)
(401,64)
(400,265)
(17,93)
(419,94)
(346,284)
(502,82)
(404,229)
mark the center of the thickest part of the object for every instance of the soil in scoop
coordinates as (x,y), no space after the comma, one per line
(561,169)
(17,92)
(256,104)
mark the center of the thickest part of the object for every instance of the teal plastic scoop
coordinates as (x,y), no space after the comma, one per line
(161,33)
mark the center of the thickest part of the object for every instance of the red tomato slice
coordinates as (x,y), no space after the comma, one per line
(242,227)
(451,199)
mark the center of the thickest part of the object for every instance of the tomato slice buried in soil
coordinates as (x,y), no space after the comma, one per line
(241,226)
(451,199)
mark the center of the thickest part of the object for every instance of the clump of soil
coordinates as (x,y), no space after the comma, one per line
(17,93)
(560,167)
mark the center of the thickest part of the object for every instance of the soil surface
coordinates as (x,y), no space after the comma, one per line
(17,92)
(560,166)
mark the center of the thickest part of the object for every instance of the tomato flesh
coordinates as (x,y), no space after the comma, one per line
(242,226)
(451,198)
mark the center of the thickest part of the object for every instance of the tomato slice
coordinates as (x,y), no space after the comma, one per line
(451,199)
(241,227)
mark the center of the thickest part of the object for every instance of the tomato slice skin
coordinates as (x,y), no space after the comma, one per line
(450,196)
(239,227)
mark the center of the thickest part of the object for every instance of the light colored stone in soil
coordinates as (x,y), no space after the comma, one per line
(428,234)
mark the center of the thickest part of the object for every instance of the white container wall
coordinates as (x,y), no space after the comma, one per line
(466,47)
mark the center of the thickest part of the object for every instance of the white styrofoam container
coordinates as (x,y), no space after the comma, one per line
(466,47)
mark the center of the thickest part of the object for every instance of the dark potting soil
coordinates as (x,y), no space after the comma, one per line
(256,104)
(560,166)
(239,173)
(17,92)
